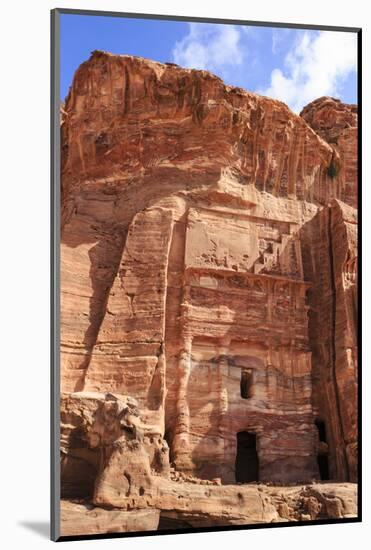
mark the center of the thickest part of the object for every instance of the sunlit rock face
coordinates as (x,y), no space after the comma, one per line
(208,271)
(337,123)
(329,243)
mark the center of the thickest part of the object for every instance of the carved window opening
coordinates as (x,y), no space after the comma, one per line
(247,462)
(246,384)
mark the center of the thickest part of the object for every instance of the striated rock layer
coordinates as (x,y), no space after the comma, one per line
(208,271)
(336,123)
(330,259)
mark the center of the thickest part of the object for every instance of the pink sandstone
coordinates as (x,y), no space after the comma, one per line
(208,310)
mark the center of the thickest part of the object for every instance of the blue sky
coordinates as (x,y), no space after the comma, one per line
(293,65)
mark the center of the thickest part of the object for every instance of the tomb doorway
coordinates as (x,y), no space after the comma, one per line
(247,463)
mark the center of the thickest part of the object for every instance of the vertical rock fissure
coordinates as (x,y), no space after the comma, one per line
(126,92)
(333,342)
(162,353)
(81,382)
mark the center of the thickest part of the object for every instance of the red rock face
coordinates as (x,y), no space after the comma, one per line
(336,123)
(330,259)
(201,224)
(121,469)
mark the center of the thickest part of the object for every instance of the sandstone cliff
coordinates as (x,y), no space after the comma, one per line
(208,271)
(128,486)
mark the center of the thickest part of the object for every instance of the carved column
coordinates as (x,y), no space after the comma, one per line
(223,350)
(226,439)
(181,446)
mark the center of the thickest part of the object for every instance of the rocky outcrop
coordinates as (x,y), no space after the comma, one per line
(202,508)
(107,451)
(125,114)
(336,123)
(87,519)
(201,224)
(130,488)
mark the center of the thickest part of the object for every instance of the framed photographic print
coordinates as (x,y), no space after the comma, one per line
(205,271)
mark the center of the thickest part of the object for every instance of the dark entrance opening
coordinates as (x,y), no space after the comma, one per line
(246,383)
(321,427)
(322,457)
(247,464)
(323,467)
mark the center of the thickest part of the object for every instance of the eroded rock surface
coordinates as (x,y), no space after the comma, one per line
(132,487)
(336,123)
(330,257)
(208,272)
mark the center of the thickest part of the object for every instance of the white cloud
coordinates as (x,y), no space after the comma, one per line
(317,65)
(216,48)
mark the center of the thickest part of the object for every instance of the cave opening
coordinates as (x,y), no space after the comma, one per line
(247,463)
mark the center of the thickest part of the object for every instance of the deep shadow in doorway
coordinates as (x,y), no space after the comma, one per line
(247,463)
